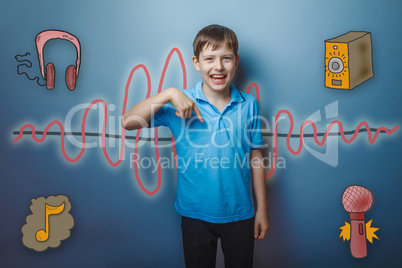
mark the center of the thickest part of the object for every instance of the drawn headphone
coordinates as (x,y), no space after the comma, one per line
(71,71)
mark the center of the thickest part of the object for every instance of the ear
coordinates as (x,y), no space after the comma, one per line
(196,63)
(237,60)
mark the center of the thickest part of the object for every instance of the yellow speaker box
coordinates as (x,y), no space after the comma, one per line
(348,60)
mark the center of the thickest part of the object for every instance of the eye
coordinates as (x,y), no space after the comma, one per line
(227,58)
(209,59)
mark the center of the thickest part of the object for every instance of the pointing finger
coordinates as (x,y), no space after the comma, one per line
(198,113)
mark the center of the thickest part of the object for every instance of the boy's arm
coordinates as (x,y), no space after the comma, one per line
(261,224)
(140,114)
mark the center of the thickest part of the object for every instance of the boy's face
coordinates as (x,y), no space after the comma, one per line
(217,67)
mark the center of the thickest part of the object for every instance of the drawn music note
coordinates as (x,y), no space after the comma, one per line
(43,235)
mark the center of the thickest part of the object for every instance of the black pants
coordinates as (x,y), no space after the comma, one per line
(200,243)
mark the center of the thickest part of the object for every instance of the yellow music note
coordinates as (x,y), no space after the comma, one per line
(43,235)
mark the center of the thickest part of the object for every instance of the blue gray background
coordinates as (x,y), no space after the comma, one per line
(281,48)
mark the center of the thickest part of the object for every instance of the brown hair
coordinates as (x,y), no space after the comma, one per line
(214,35)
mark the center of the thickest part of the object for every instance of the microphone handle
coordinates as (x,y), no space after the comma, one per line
(358,244)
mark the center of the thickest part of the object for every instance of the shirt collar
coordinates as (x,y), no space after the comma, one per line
(235,95)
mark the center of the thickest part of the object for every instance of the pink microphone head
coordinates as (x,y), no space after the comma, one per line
(357,199)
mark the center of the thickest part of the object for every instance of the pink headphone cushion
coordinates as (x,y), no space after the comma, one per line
(71,77)
(50,75)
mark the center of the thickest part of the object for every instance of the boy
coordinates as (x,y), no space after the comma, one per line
(217,132)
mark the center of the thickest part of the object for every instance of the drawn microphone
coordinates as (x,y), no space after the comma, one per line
(357,200)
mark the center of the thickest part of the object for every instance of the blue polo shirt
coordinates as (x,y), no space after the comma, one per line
(213,158)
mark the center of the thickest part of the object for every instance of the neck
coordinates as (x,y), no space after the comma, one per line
(216,96)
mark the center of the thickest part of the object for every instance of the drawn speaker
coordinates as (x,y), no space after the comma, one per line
(348,60)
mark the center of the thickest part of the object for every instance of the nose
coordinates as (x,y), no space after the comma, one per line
(218,65)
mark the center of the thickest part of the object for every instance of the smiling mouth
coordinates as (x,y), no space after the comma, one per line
(218,77)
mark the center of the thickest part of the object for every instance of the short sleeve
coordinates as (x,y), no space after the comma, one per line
(254,126)
(161,117)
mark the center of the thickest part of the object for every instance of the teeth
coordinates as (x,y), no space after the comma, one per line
(218,76)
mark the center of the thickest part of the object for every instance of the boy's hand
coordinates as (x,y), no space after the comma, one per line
(184,105)
(261,225)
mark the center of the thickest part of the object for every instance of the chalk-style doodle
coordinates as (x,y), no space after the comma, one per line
(49,74)
(330,156)
(43,234)
(371,137)
(357,200)
(49,223)
(348,60)
(24,61)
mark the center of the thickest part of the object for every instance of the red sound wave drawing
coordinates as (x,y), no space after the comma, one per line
(151,193)
(309,122)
